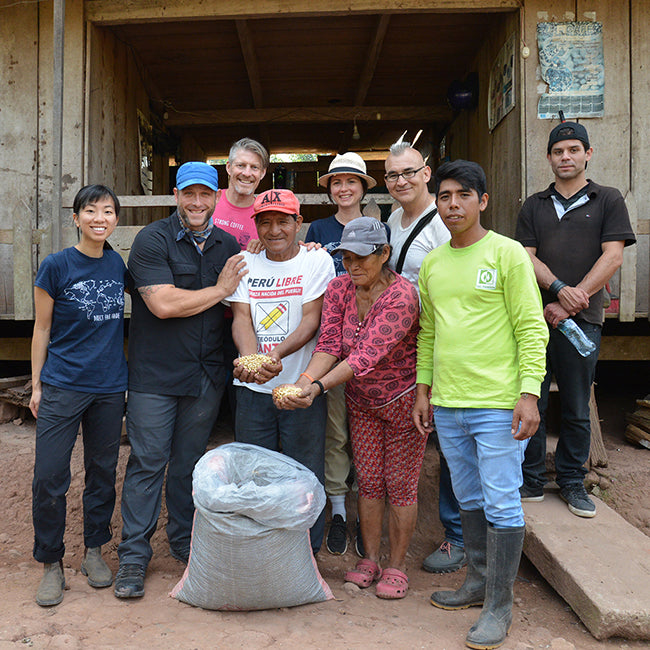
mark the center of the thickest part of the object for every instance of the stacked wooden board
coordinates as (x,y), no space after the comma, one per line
(638,423)
(15,393)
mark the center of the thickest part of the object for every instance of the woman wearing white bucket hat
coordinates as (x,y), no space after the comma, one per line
(346,183)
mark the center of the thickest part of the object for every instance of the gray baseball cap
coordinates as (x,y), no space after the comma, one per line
(362,236)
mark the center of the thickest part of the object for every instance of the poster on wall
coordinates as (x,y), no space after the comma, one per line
(502,85)
(145,139)
(572,64)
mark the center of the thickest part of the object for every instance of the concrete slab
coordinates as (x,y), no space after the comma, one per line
(600,566)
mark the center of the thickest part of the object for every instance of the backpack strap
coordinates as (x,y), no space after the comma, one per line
(424,221)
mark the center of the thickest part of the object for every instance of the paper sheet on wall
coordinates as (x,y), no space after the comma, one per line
(572,64)
(501,94)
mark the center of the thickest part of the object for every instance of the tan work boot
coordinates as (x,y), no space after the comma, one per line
(93,566)
(50,591)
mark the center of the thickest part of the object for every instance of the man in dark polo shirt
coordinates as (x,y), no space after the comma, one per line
(181,269)
(575,232)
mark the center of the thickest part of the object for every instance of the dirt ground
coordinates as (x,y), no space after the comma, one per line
(90,618)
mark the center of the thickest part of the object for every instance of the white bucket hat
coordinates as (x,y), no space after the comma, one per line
(347,163)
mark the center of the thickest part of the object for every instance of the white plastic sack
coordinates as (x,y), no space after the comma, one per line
(250,544)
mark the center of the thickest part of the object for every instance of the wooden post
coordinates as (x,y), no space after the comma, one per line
(57,120)
(627,293)
(597,453)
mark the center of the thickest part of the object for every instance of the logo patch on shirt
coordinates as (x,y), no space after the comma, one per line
(486,279)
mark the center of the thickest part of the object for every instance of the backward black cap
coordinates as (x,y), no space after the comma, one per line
(568,131)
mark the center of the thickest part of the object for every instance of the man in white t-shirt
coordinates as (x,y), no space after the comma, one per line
(406,177)
(277,310)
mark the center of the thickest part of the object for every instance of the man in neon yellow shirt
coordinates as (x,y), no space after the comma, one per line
(481,354)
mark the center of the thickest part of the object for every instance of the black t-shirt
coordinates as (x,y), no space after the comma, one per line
(166,355)
(571,245)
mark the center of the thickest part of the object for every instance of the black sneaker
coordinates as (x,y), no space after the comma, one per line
(529,493)
(337,537)
(578,500)
(129,581)
(182,556)
(358,542)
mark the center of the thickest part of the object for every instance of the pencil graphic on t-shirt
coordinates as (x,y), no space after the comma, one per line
(273,316)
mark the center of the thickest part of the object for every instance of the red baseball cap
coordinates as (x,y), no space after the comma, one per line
(277,201)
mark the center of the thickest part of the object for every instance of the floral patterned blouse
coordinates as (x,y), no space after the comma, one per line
(381,349)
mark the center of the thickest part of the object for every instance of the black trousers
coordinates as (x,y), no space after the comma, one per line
(59,415)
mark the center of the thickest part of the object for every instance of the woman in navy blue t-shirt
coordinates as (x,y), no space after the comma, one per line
(79,376)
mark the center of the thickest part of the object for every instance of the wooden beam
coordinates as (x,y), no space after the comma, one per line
(372,56)
(309,114)
(115,12)
(15,349)
(624,348)
(250,59)
(168,201)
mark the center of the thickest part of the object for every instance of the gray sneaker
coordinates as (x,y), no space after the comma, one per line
(93,566)
(578,500)
(50,591)
(445,559)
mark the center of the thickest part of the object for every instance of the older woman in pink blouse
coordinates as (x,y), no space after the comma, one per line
(369,324)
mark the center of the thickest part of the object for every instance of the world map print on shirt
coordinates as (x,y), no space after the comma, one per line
(100,299)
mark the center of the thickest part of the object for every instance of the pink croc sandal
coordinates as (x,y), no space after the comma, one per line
(364,574)
(393,584)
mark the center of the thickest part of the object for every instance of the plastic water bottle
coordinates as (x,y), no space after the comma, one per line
(577,337)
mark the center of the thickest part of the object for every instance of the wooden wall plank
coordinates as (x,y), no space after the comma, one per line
(610,136)
(628,272)
(497,152)
(640,139)
(538,173)
(72,163)
(18,144)
(44,167)
(117,92)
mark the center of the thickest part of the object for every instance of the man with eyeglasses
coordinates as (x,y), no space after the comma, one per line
(415,230)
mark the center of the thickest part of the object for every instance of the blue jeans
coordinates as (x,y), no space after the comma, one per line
(484,461)
(164,431)
(299,434)
(59,415)
(447,505)
(574,375)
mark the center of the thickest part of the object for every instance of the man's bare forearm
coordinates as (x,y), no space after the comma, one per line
(168,301)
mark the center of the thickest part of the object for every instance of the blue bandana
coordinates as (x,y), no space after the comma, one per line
(198,236)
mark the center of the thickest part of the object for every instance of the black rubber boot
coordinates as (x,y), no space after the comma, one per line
(503,554)
(472,591)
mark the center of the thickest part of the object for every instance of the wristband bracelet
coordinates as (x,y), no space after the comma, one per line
(317,382)
(304,374)
(556,286)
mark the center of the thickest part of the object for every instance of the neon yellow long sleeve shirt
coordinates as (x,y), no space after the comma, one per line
(483,336)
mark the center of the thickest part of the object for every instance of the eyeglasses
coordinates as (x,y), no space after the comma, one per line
(393,177)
